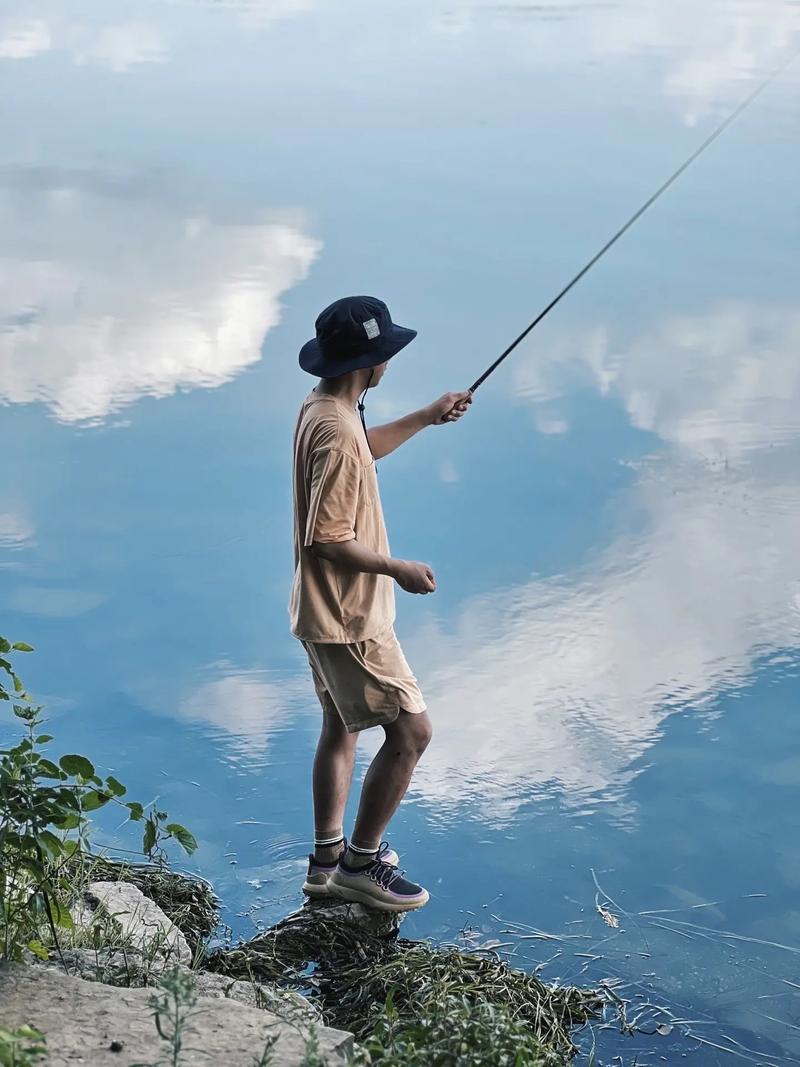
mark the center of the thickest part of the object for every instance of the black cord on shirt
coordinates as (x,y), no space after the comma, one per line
(361,411)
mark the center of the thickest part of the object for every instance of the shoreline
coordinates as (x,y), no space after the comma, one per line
(330,983)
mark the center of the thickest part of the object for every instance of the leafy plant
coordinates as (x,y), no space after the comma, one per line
(21,1047)
(312,1054)
(267,1053)
(44,806)
(172,1010)
(452,1032)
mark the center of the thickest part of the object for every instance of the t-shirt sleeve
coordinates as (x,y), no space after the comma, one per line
(333,497)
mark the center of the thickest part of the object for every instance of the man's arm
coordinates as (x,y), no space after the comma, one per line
(353,556)
(448,408)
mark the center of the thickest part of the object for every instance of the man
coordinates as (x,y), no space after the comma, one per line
(342,603)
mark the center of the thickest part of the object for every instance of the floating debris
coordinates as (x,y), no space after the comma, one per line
(608,917)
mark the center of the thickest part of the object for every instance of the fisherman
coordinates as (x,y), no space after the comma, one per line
(342,603)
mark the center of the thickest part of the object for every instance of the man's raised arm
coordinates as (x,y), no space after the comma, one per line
(448,408)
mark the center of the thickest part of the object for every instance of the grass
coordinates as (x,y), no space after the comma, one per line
(452,1032)
(411,1002)
(22,1047)
(189,902)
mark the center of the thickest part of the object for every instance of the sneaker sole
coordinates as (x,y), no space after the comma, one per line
(318,889)
(355,897)
(312,890)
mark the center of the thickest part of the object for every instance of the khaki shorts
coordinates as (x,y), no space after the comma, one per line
(368,683)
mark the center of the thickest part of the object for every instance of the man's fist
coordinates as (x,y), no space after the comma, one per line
(413,577)
(449,408)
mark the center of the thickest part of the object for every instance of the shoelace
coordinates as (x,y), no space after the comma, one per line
(382,850)
(383,874)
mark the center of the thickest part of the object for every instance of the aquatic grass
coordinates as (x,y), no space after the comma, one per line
(454,1033)
(413,1002)
(458,1007)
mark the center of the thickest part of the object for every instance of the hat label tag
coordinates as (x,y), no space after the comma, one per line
(372,328)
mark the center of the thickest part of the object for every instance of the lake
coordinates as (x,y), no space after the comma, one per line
(611,658)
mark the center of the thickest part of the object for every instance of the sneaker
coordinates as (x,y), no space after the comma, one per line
(378,885)
(316,883)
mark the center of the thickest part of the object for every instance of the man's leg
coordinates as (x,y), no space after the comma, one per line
(333,773)
(363,874)
(387,779)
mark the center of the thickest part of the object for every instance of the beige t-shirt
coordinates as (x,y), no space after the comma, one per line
(336,499)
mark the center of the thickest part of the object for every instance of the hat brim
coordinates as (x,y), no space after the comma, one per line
(315,362)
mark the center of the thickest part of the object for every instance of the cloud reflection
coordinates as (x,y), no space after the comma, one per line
(717,386)
(248,705)
(16,530)
(116,46)
(565,682)
(700,60)
(108,296)
(91,40)
(54,602)
(24,39)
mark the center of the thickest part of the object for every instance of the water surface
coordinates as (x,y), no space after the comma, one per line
(611,659)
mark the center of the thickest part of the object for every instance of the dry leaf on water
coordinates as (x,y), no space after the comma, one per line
(608,917)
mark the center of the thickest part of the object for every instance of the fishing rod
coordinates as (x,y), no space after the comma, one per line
(636,215)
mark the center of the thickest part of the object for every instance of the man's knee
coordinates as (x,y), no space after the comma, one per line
(413,732)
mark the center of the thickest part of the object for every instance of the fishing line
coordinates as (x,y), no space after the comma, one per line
(637,215)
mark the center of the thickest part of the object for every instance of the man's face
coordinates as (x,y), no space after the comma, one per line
(380,370)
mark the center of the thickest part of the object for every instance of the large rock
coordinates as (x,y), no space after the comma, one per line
(132,970)
(105,1026)
(142,925)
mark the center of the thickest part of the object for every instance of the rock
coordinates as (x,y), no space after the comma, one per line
(141,923)
(99,1025)
(379,923)
(130,969)
(83,914)
(110,966)
(283,1002)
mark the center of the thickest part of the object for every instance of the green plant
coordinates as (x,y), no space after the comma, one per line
(312,1055)
(44,825)
(453,1032)
(267,1053)
(21,1047)
(172,1011)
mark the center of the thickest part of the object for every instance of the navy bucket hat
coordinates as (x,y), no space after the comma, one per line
(353,333)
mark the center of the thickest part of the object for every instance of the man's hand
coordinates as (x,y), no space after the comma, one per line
(449,408)
(413,577)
